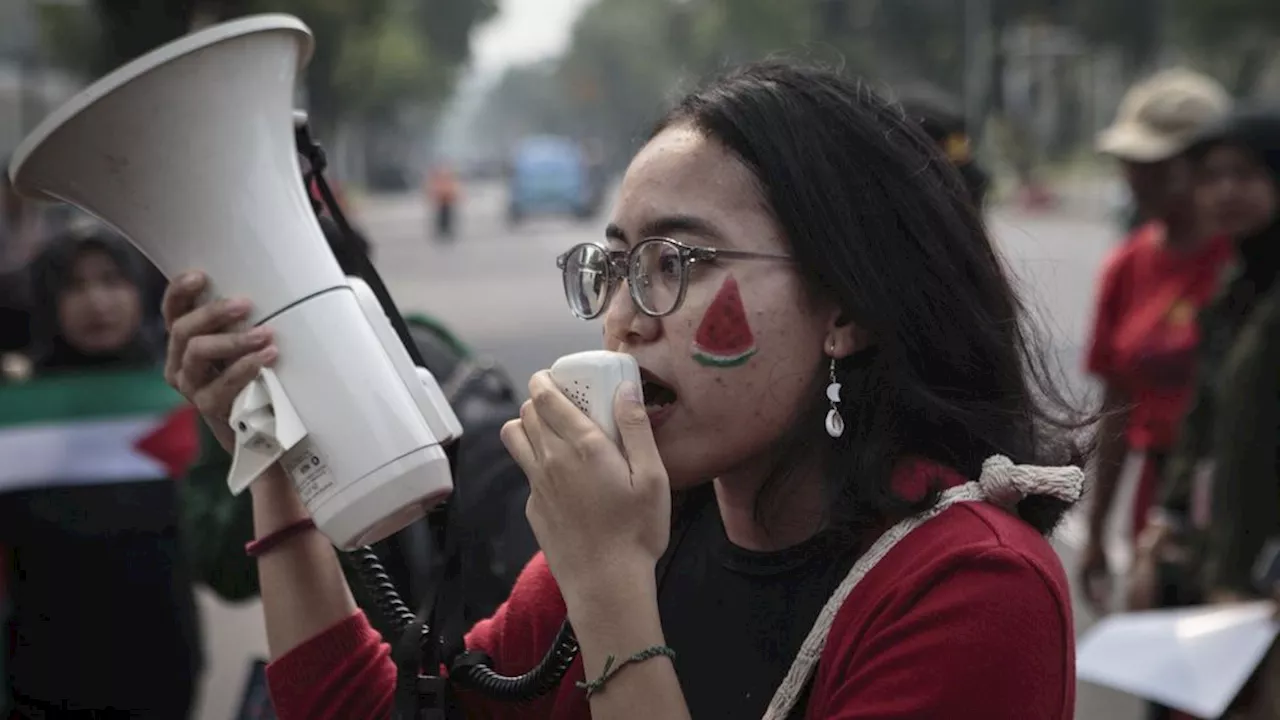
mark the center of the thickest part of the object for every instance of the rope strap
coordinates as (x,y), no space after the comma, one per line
(1002,483)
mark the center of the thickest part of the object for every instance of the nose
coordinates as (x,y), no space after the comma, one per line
(624,324)
(100,299)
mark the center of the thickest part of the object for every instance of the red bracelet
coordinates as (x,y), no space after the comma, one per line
(263,545)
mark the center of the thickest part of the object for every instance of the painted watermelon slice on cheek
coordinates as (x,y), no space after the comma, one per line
(724,338)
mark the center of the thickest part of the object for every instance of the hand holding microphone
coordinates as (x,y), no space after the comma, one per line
(597,505)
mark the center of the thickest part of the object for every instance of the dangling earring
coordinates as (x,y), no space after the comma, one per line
(835,422)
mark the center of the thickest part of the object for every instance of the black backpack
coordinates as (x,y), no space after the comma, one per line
(490,526)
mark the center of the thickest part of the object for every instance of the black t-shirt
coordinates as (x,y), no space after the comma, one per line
(737,618)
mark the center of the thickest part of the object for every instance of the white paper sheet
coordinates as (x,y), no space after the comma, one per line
(1192,659)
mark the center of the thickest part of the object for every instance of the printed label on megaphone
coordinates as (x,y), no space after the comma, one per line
(189,151)
(306,466)
(590,380)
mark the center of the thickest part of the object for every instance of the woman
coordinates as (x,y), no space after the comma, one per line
(829,344)
(1143,345)
(1223,480)
(103,613)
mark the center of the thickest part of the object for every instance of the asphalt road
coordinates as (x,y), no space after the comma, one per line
(498,288)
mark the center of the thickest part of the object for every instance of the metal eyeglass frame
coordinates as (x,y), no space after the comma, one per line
(620,263)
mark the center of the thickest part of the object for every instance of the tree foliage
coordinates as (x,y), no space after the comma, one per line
(371,56)
(625,56)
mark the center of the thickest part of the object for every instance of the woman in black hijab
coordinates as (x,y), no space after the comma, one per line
(90,305)
(103,610)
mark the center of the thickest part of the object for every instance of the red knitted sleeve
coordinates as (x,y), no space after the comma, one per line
(346,672)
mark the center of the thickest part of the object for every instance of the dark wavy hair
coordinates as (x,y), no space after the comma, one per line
(879,222)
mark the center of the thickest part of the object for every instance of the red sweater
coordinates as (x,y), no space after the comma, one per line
(967,617)
(1145,336)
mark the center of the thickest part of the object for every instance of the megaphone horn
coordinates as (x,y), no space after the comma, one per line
(189,152)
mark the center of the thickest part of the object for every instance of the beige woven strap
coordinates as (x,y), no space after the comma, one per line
(1002,483)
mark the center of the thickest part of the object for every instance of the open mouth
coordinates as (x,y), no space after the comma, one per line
(657,394)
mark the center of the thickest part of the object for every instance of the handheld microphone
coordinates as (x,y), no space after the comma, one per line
(590,380)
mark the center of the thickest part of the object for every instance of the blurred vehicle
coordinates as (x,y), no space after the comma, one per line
(549,176)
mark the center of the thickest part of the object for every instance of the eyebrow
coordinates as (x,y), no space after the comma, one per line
(668,225)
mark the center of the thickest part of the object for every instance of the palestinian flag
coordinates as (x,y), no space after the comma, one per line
(94,428)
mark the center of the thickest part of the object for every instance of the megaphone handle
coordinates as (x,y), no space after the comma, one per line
(267,427)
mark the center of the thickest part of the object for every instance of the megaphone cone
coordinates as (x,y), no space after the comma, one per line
(189,152)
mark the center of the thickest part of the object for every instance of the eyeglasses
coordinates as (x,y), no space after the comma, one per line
(656,270)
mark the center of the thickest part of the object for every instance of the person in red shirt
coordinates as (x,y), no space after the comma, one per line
(1154,124)
(833,487)
(1144,338)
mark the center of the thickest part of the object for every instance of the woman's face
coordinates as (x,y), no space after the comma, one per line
(99,310)
(725,417)
(1235,194)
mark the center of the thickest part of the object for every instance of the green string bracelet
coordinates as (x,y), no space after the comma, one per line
(610,670)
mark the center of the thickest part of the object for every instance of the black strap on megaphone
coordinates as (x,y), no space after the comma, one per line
(419,695)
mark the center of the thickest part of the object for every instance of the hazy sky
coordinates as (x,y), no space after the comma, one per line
(525,30)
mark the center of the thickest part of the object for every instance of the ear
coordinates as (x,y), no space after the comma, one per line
(844,336)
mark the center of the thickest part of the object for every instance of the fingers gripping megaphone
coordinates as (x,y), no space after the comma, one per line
(189,152)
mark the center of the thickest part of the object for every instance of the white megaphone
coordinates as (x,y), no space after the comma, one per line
(189,151)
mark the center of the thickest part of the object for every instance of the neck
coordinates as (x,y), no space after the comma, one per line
(1182,233)
(62,356)
(792,516)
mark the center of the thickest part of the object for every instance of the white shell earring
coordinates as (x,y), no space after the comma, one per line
(835,422)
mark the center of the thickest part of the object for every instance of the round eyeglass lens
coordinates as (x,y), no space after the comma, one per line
(655,276)
(586,280)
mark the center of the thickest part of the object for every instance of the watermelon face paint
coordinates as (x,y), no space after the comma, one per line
(724,338)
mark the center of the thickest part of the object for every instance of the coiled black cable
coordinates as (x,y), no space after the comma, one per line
(374,574)
(471,670)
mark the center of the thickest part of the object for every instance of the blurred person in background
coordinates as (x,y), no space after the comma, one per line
(21,231)
(1170,103)
(593,158)
(443,193)
(948,128)
(103,612)
(1143,343)
(1219,502)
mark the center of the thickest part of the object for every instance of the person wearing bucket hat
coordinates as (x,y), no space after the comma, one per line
(1158,120)
(1144,339)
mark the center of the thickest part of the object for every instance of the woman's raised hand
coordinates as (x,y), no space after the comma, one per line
(208,360)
